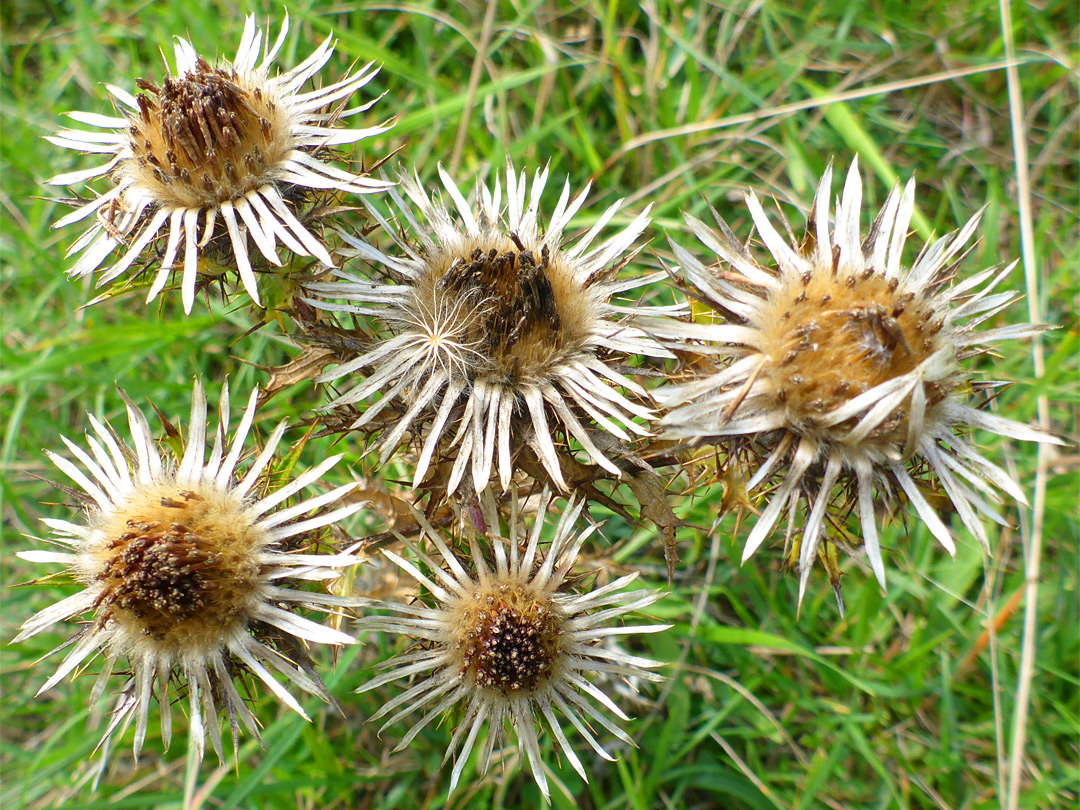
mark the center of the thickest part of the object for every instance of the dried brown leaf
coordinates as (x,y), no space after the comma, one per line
(306,366)
(649,489)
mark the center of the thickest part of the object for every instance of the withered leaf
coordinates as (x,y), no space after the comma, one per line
(648,487)
(306,366)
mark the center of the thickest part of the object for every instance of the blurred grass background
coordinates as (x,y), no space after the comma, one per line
(907,703)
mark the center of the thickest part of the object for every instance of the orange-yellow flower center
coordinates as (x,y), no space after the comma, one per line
(177,568)
(832,338)
(510,639)
(205,138)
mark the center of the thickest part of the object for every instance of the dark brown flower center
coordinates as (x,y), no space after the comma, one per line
(205,137)
(511,640)
(517,310)
(177,567)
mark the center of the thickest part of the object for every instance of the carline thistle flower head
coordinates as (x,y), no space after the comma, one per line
(185,573)
(510,641)
(501,334)
(843,367)
(226,140)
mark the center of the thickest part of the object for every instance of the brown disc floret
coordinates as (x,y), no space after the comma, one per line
(178,568)
(203,138)
(510,639)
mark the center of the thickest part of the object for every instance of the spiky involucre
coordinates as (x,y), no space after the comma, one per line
(500,333)
(844,365)
(226,139)
(186,573)
(510,642)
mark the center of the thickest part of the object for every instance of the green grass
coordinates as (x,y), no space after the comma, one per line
(676,104)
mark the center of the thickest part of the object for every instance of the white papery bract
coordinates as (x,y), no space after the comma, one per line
(842,369)
(186,573)
(226,140)
(500,333)
(510,642)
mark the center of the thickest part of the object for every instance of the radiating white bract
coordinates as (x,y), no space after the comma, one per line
(845,365)
(510,643)
(186,573)
(229,140)
(500,333)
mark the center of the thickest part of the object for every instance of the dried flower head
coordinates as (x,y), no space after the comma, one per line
(842,371)
(185,573)
(511,641)
(500,334)
(226,139)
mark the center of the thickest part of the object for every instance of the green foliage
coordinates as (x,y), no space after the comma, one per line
(907,704)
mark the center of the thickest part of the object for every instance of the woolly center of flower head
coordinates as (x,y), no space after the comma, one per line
(204,138)
(178,568)
(518,309)
(510,639)
(831,338)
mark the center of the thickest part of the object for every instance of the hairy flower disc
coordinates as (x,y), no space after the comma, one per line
(178,567)
(843,370)
(185,573)
(830,339)
(510,641)
(500,333)
(208,138)
(224,140)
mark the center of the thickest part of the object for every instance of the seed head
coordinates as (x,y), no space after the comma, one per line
(510,640)
(212,140)
(841,371)
(185,573)
(501,336)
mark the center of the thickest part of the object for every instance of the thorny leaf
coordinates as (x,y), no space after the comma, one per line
(278,291)
(650,491)
(396,512)
(324,211)
(306,366)
(644,482)
(580,478)
(733,484)
(648,487)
